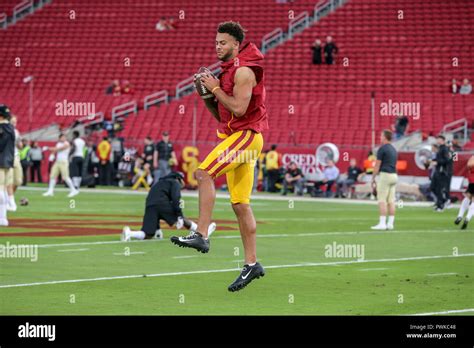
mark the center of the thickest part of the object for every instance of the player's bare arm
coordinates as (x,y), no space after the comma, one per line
(244,81)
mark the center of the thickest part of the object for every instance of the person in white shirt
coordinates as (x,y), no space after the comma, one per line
(61,166)
(77,160)
(15,176)
(466,87)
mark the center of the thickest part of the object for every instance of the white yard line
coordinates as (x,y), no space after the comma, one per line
(279,235)
(447,312)
(440,274)
(130,253)
(226,195)
(71,250)
(307,264)
(372,269)
(185,256)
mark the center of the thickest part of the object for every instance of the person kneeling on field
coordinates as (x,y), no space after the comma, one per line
(163,203)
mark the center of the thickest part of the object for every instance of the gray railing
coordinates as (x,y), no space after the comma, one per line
(300,23)
(458,126)
(124,110)
(155,98)
(92,119)
(3,21)
(22,9)
(271,40)
(322,8)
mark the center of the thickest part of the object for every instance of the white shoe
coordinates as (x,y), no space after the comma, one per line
(73,193)
(11,207)
(48,194)
(159,234)
(125,237)
(389,227)
(211,229)
(379,227)
(3,222)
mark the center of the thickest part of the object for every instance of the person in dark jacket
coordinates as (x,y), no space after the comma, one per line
(441,173)
(7,155)
(163,203)
(329,50)
(317,51)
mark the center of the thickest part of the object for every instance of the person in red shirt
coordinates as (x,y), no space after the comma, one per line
(466,204)
(239,106)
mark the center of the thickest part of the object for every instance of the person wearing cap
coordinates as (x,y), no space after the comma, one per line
(163,157)
(163,202)
(7,156)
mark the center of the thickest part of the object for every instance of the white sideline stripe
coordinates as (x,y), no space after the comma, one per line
(279,235)
(130,253)
(266,197)
(372,269)
(185,256)
(306,264)
(447,312)
(439,274)
(70,250)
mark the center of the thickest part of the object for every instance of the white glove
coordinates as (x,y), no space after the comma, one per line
(180,223)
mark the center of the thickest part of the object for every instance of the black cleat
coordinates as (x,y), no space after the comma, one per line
(464,224)
(248,274)
(193,240)
(458,220)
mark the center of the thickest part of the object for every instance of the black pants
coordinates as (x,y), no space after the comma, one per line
(318,184)
(105,174)
(273,177)
(438,187)
(24,167)
(36,170)
(153,215)
(76,167)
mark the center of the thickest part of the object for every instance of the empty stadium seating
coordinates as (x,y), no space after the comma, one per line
(403,60)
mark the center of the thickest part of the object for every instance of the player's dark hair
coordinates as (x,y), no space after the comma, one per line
(274,147)
(441,137)
(75,134)
(387,134)
(232,28)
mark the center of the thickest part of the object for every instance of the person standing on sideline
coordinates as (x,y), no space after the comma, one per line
(273,169)
(15,176)
(105,169)
(441,173)
(61,166)
(36,154)
(25,159)
(386,168)
(162,155)
(7,155)
(77,159)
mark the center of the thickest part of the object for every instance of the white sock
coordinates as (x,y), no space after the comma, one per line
(194,226)
(3,206)
(137,234)
(252,264)
(470,212)
(52,183)
(77,181)
(464,207)
(70,184)
(11,200)
(391,220)
(382,220)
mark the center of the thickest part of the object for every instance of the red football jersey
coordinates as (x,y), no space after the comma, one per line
(255,117)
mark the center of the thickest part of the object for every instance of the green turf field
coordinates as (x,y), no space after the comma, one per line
(83,268)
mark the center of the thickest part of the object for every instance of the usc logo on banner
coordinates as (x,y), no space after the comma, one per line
(190,164)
